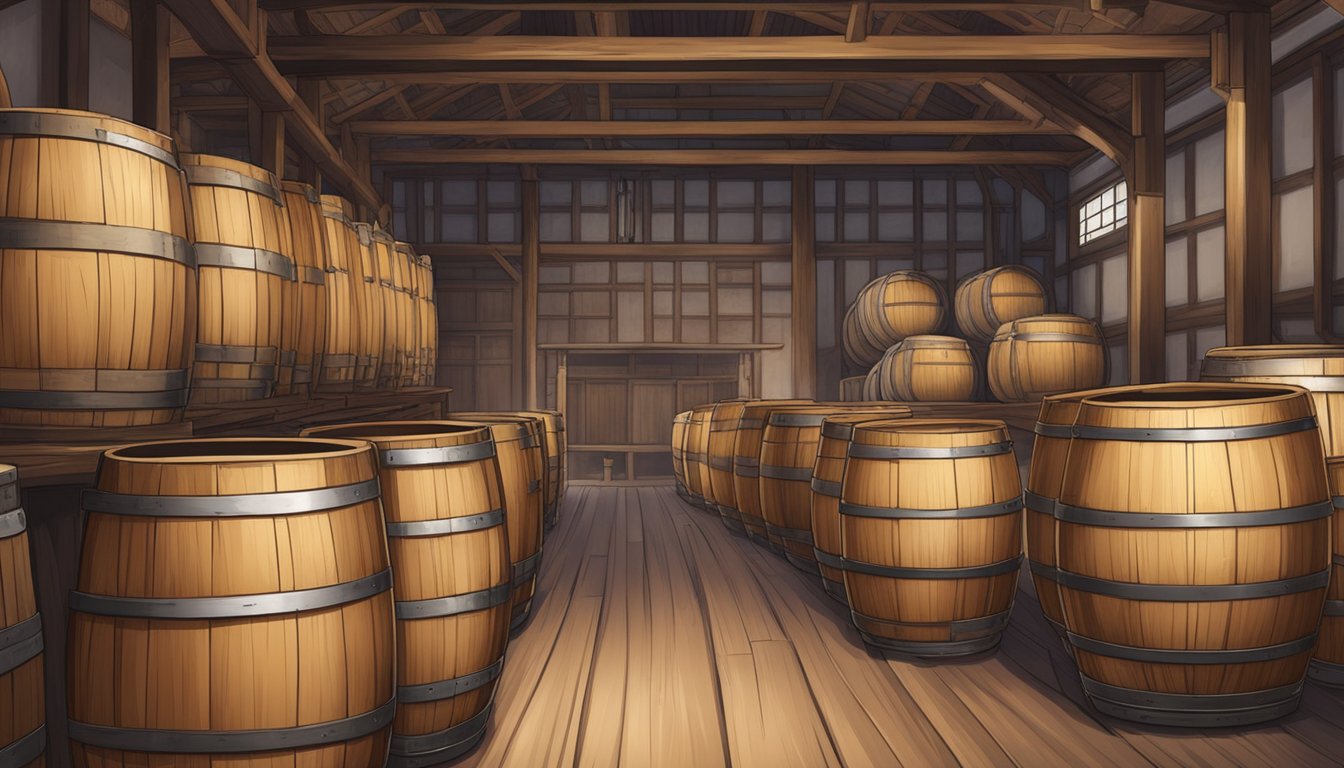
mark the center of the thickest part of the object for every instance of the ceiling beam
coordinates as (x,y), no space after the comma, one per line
(817,6)
(597,58)
(1056,102)
(584,129)
(695,157)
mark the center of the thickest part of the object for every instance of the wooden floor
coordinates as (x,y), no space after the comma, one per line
(661,639)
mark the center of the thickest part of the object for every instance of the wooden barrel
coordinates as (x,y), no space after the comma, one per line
(1193,550)
(927,369)
(747,463)
(851,388)
(23,731)
(1327,666)
(369,298)
(996,296)
(342,341)
(557,448)
(697,444)
(931,534)
(1316,367)
(520,446)
(679,424)
(242,257)
(1037,356)
(828,473)
(431,335)
(858,351)
(410,264)
(249,580)
(723,421)
(444,505)
(872,386)
(390,285)
(893,307)
(308,237)
(99,280)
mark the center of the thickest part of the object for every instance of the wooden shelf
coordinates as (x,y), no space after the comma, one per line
(689,349)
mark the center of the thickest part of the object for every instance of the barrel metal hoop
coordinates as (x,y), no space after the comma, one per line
(311,275)
(240,257)
(1050,336)
(233,606)
(829,560)
(210,176)
(1067,513)
(448,454)
(233,742)
(1057,431)
(446,526)
(1194,434)
(238,505)
(13,522)
(1183,593)
(439,740)
(785,419)
(962,513)
(1180,656)
(524,569)
(1337,559)
(798,474)
(956,626)
(829,488)
(27,234)
(338,216)
(720,463)
(865,451)
(534,486)
(48,125)
(792,534)
(8,476)
(452,605)
(288,357)
(26,749)
(1334,608)
(1199,702)
(81,401)
(233,353)
(989,570)
(1048,572)
(750,424)
(844,432)
(260,384)
(447,689)
(1038,503)
(20,643)
(1274,366)
(1324,383)
(746,472)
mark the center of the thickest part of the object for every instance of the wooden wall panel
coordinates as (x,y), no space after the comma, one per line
(606,411)
(651,402)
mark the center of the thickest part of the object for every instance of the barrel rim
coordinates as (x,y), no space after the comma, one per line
(1231,352)
(433,428)
(1272,393)
(341,448)
(929,427)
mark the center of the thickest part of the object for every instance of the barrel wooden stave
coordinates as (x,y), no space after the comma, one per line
(927,369)
(1317,367)
(342,342)
(108,333)
(985,301)
(1283,469)
(308,238)
(203,675)
(22,686)
(949,613)
(552,426)
(1033,357)
(851,388)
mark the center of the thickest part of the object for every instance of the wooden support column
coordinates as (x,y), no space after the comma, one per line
(150,25)
(531,266)
(1324,224)
(65,53)
(5,99)
(1249,238)
(1147,231)
(272,156)
(804,290)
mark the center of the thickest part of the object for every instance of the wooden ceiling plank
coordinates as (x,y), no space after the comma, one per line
(364,105)
(716,157)
(813,6)
(430,18)
(577,129)
(378,20)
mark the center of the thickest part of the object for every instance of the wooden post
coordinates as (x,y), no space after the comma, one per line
(1250,243)
(804,290)
(310,92)
(1147,231)
(65,53)
(150,24)
(1324,224)
(273,143)
(531,266)
(5,100)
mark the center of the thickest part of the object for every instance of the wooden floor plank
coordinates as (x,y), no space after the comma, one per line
(604,710)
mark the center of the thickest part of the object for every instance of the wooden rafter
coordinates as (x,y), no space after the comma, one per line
(694,157)
(817,6)
(578,129)
(1052,100)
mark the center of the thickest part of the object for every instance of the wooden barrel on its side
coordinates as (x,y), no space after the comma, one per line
(1316,367)
(896,306)
(679,424)
(931,542)
(858,350)
(872,385)
(242,257)
(520,446)
(697,470)
(1327,665)
(342,341)
(928,369)
(1193,550)
(23,732)
(99,280)
(723,422)
(851,388)
(828,473)
(308,237)
(200,554)
(431,334)
(1033,357)
(444,504)
(369,299)
(747,465)
(987,300)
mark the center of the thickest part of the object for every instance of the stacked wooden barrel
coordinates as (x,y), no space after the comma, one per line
(1327,665)
(926,368)
(23,735)
(1032,357)
(721,496)
(891,308)
(987,300)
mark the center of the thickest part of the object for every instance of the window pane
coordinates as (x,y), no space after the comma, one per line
(556,192)
(896,193)
(968,193)
(1208,338)
(736,228)
(1175,197)
(695,272)
(1293,129)
(503,227)
(458,227)
(555,226)
(695,227)
(594,227)
(826,227)
(1293,216)
(695,193)
(1209,264)
(825,193)
(664,192)
(458,192)
(776,227)
(776,194)
(1115,289)
(969,262)
(935,192)
(1178,356)
(664,226)
(1209,170)
(593,192)
(736,194)
(935,227)
(1178,271)
(1033,217)
(896,226)
(856,193)
(501,193)
(971,226)
(1085,291)
(856,226)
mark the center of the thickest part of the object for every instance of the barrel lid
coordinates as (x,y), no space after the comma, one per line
(235,450)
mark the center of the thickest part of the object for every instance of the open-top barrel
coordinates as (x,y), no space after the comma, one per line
(1193,550)
(1033,357)
(747,467)
(444,504)
(23,732)
(931,534)
(98,296)
(234,598)
(1316,367)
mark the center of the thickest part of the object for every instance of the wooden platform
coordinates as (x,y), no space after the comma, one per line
(661,639)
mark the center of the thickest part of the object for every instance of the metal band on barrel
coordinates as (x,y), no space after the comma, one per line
(13,522)
(750,423)
(453,604)
(448,454)
(26,749)
(445,526)
(1183,593)
(962,513)
(239,257)
(233,742)
(901,572)
(836,431)
(1043,570)
(20,643)
(829,560)
(866,451)
(1276,367)
(1067,513)
(802,474)
(534,486)
(447,689)
(210,176)
(792,534)
(1037,503)
(829,488)
(238,505)
(1057,431)
(411,746)
(45,124)
(1181,656)
(720,463)
(1334,608)
(232,606)
(1193,434)
(78,401)
(1046,336)
(954,627)
(525,569)
(311,275)
(797,419)
(26,234)
(1197,702)
(232,353)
